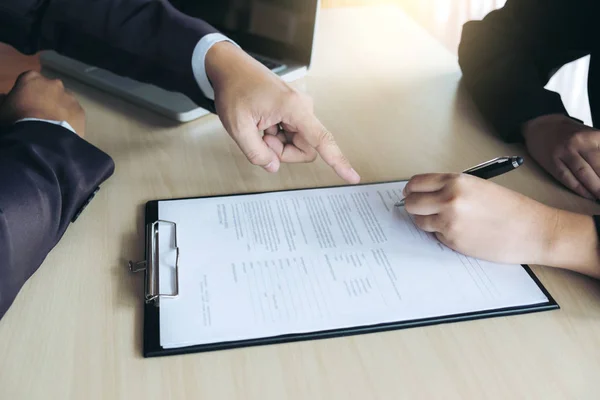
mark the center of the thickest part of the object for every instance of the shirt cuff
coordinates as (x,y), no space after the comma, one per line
(199,65)
(64,124)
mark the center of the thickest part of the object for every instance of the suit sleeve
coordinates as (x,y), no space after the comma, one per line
(146,40)
(47,173)
(508,57)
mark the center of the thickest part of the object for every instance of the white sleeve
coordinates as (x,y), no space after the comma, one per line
(198,61)
(64,124)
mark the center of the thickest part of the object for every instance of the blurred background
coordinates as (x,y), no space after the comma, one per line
(443,19)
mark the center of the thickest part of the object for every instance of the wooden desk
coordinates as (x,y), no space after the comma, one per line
(390,93)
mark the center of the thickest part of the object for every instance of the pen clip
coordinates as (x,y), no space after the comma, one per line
(486,163)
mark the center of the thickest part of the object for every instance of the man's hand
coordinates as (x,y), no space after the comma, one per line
(568,150)
(34,96)
(250,100)
(482,219)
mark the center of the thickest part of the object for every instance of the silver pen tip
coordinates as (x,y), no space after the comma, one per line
(400,203)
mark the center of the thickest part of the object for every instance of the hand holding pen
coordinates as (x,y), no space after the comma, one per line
(479,218)
(488,169)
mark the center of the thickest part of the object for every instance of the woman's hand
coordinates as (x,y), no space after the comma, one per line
(481,219)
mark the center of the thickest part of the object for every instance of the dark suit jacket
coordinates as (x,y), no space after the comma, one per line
(147,40)
(509,56)
(47,172)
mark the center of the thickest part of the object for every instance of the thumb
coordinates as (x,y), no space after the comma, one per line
(249,139)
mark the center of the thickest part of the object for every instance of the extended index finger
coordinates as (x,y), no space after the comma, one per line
(323,142)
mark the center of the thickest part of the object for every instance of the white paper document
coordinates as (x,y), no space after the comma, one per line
(258,266)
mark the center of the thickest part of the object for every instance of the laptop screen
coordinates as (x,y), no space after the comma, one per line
(280,29)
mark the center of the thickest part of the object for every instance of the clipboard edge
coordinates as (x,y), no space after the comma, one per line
(151,325)
(153,348)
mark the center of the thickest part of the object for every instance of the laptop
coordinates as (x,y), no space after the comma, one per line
(277,33)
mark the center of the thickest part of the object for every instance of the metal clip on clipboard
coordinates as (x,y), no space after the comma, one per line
(151,265)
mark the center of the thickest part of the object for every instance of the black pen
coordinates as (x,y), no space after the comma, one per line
(489,169)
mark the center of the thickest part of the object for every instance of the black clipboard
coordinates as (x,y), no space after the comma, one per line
(151,332)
